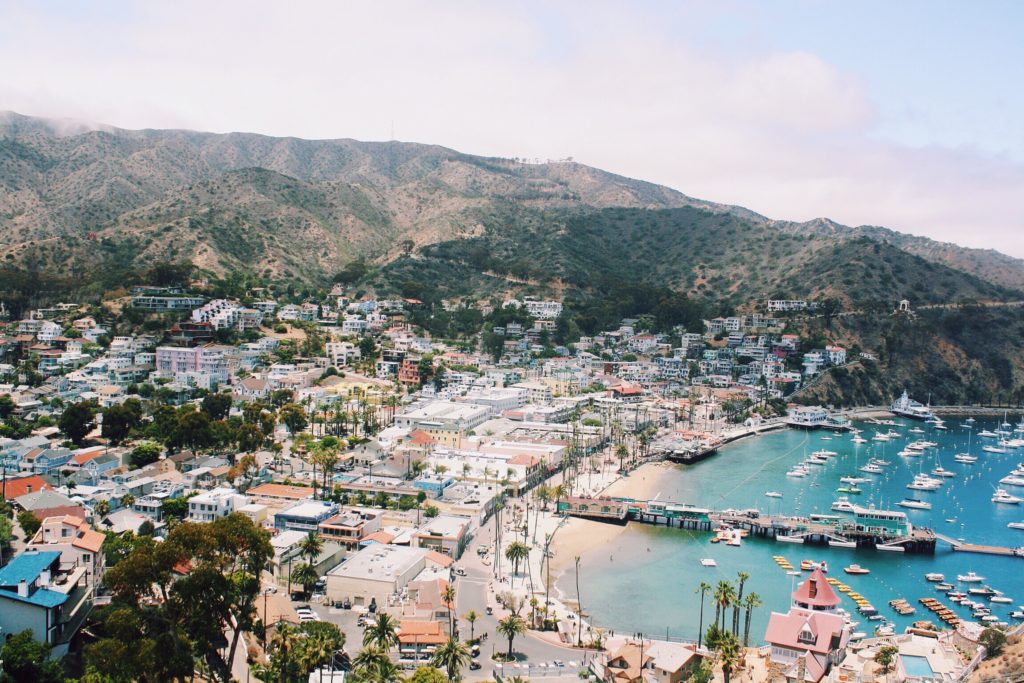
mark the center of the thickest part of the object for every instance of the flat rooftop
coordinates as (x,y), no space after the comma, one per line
(380,562)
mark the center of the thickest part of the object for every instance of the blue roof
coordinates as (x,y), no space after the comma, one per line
(27,567)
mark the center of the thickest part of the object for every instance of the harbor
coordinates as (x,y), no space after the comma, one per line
(666,526)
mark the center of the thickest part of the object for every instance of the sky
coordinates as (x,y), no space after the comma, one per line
(907,114)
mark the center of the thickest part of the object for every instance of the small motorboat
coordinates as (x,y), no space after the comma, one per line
(935,576)
(915,504)
(843,504)
(773,494)
(969,577)
(708,562)
(966,458)
(885,629)
(1015,525)
(1001,496)
(856,569)
(982,590)
(1012,480)
(994,449)
(1001,600)
(944,587)
(943,472)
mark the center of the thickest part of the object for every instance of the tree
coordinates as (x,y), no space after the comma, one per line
(702,674)
(373,665)
(515,553)
(26,659)
(127,500)
(249,437)
(101,508)
(118,422)
(510,627)
(144,454)
(6,536)
(702,589)
(471,616)
(451,656)
(77,421)
(427,674)
(742,579)
(994,641)
(730,654)
(448,596)
(751,602)
(305,575)
(311,546)
(431,511)
(886,656)
(382,633)
(29,523)
(217,406)
(724,595)
(293,417)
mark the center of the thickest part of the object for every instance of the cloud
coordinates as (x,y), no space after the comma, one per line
(613,85)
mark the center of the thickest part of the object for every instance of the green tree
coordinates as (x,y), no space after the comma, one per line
(431,511)
(427,674)
(118,422)
(29,523)
(293,417)
(703,589)
(6,536)
(994,641)
(750,602)
(373,665)
(144,454)
(77,421)
(471,616)
(305,575)
(101,508)
(510,628)
(216,406)
(886,656)
(452,656)
(25,659)
(311,546)
(381,633)
(730,654)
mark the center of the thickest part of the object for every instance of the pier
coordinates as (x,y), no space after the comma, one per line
(964,547)
(879,529)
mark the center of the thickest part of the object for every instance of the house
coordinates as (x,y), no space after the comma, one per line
(77,543)
(650,662)
(352,527)
(419,639)
(279,495)
(374,573)
(447,534)
(212,505)
(37,594)
(807,641)
(305,516)
(15,488)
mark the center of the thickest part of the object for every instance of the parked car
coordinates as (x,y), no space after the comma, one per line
(474,664)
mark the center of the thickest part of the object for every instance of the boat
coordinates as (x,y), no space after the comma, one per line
(970,420)
(1001,600)
(885,629)
(934,576)
(1015,525)
(789,539)
(843,504)
(823,454)
(856,569)
(871,468)
(966,458)
(797,471)
(849,489)
(842,544)
(994,449)
(773,494)
(809,565)
(910,453)
(854,480)
(969,577)
(905,406)
(879,461)
(1012,480)
(914,504)
(859,439)
(982,590)
(1001,496)
(880,437)
(916,430)
(943,586)
(890,548)
(708,562)
(987,434)
(941,471)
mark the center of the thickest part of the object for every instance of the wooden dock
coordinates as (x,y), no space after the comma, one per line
(981,549)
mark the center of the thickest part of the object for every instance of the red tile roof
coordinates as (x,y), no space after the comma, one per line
(15,488)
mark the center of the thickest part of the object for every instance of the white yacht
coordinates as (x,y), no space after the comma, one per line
(842,504)
(880,437)
(1015,525)
(823,454)
(859,439)
(1001,496)
(969,577)
(871,468)
(941,471)
(855,480)
(773,494)
(910,453)
(986,433)
(994,449)
(914,504)
(966,458)
(797,472)
(935,577)
(1012,480)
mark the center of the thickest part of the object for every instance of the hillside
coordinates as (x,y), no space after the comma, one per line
(81,199)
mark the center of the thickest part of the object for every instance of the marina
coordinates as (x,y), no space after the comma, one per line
(962,532)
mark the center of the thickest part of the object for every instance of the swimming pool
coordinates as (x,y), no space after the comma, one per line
(917,667)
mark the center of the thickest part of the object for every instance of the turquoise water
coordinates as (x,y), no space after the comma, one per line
(645,579)
(917,667)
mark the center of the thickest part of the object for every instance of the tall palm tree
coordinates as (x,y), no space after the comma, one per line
(471,616)
(515,553)
(373,665)
(451,656)
(286,638)
(579,605)
(622,453)
(724,594)
(311,546)
(510,627)
(742,579)
(305,575)
(730,653)
(382,633)
(448,595)
(702,589)
(751,602)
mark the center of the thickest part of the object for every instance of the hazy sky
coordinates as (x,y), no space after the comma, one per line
(903,114)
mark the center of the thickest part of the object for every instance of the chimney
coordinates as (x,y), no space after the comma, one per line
(23,589)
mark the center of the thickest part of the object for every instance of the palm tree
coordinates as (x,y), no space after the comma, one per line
(382,633)
(305,575)
(127,500)
(451,656)
(510,627)
(742,576)
(724,594)
(730,653)
(101,508)
(622,452)
(702,589)
(286,637)
(559,493)
(579,605)
(311,546)
(543,494)
(448,596)
(515,553)
(471,616)
(373,665)
(751,602)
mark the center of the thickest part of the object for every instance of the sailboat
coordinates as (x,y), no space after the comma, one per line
(966,458)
